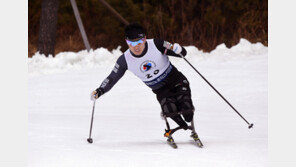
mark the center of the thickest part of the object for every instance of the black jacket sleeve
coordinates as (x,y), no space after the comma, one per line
(160,44)
(117,72)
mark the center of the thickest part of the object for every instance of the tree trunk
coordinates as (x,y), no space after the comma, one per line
(48,26)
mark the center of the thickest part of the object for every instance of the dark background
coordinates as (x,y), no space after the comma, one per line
(202,23)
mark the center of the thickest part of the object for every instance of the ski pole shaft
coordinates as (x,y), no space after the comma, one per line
(250,125)
(91,123)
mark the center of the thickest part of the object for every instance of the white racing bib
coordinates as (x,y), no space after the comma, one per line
(151,68)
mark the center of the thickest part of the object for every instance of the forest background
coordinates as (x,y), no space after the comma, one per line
(202,23)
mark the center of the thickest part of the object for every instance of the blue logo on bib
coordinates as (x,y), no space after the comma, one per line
(147,65)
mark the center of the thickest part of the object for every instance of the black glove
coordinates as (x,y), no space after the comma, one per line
(96,94)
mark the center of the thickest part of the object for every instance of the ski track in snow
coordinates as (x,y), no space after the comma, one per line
(128,130)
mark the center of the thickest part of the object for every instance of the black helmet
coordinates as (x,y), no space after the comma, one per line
(134,31)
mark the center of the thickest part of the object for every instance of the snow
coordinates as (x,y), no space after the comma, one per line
(128,130)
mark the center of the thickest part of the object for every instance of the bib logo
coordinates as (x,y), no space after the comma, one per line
(147,65)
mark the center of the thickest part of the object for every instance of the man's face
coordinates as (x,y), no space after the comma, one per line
(137,46)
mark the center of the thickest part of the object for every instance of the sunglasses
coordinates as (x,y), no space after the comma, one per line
(134,43)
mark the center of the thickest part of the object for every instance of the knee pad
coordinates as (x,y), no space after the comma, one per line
(168,105)
(185,102)
(188,116)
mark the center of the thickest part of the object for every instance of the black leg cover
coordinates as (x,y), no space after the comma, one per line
(185,104)
(168,105)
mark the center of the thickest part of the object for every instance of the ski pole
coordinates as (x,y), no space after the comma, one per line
(90,140)
(250,125)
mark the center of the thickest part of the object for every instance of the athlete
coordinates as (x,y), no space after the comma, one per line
(148,60)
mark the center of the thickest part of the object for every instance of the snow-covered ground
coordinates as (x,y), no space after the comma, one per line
(128,130)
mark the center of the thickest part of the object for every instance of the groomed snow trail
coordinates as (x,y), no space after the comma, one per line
(128,130)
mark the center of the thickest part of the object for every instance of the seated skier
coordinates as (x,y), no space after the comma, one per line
(148,60)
